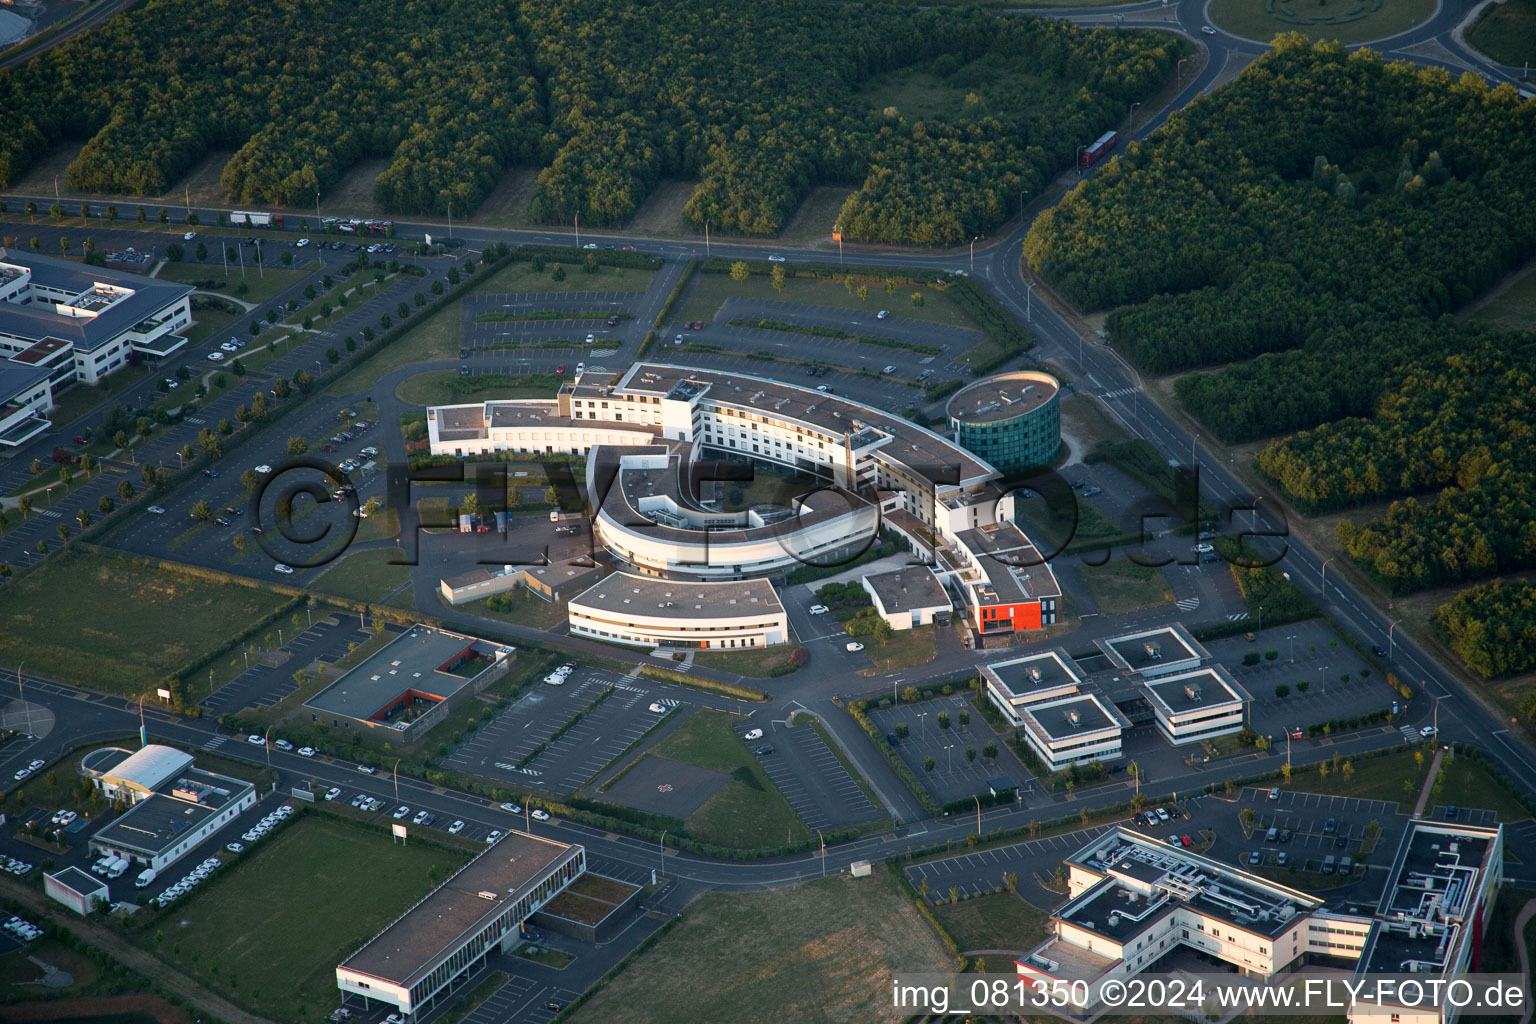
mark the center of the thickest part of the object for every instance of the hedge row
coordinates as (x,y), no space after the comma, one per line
(857,709)
(700,683)
(675,294)
(1000,325)
(605,257)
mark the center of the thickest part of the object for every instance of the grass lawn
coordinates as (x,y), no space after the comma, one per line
(80,399)
(364,575)
(17,968)
(1515,307)
(1352,21)
(1507,33)
(1298,877)
(268,954)
(261,286)
(1121,586)
(758,662)
(546,956)
(139,626)
(999,921)
(907,648)
(1400,776)
(382,525)
(517,606)
(446,387)
(711,291)
(749,810)
(817,951)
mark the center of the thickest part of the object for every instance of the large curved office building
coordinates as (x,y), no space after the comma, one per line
(658,435)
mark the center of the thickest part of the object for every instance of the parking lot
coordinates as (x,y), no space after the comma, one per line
(809,774)
(266,684)
(984,870)
(569,762)
(493,334)
(952,777)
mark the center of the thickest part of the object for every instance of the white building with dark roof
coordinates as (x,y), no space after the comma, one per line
(645,612)
(1199,704)
(907,597)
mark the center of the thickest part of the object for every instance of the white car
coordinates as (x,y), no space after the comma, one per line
(818,609)
(189,236)
(590,245)
(1428,732)
(890,368)
(64,817)
(1207,30)
(156,510)
(540,815)
(301,243)
(658,708)
(256,740)
(263,468)
(216,357)
(495,835)
(306,751)
(853,646)
(508,805)
(422,818)
(332,793)
(401,812)
(227,347)
(456,828)
(775,259)
(591,338)
(753,734)
(286,570)
(1204,548)
(366,769)
(882,314)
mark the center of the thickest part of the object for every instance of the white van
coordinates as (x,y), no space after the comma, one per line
(554,515)
(145,877)
(100,867)
(119,865)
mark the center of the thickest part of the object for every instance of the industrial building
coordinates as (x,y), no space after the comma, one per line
(173,805)
(1135,902)
(1013,420)
(546,582)
(647,612)
(411,683)
(426,955)
(907,597)
(78,890)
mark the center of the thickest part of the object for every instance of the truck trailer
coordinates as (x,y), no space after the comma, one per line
(1099,150)
(251,219)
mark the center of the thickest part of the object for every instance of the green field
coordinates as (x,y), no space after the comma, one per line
(137,626)
(711,291)
(1507,32)
(279,956)
(1515,307)
(1002,920)
(758,663)
(1348,21)
(1120,586)
(817,951)
(1400,776)
(907,648)
(260,286)
(519,606)
(364,575)
(749,810)
(446,387)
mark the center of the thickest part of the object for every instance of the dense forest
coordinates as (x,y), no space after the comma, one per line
(1493,628)
(1314,224)
(1318,194)
(759,102)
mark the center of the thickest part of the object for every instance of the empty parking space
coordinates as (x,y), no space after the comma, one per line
(940,754)
(603,734)
(809,775)
(985,870)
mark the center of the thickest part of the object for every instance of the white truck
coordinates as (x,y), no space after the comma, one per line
(145,878)
(119,865)
(860,869)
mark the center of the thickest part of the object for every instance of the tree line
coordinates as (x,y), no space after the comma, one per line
(1493,628)
(758,102)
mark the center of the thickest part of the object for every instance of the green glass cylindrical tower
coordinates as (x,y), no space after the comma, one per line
(1012,420)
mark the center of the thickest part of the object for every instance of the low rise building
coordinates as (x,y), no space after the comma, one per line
(78,890)
(1197,705)
(411,683)
(1078,729)
(646,612)
(1150,653)
(429,951)
(173,805)
(912,596)
(547,582)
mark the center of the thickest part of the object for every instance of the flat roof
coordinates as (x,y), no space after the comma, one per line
(159,820)
(1077,715)
(1431,899)
(40,351)
(626,594)
(82,882)
(1046,671)
(1014,568)
(37,320)
(430,661)
(905,589)
(455,911)
(1208,687)
(1116,911)
(1155,650)
(921,451)
(1003,397)
(17,377)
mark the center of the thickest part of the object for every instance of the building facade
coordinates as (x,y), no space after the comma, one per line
(1012,420)
(646,612)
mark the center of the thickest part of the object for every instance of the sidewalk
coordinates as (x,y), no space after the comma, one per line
(1429,783)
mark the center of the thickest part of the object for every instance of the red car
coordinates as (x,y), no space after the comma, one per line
(697,325)
(79,439)
(1186,840)
(629,248)
(560,368)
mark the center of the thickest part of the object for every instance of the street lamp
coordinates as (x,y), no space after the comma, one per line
(397,780)
(1292,639)
(923,722)
(1179,70)
(1390,628)
(973,254)
(1324,585)
(978,816)
(823,853)
(267,738)
(949,767)
(1133,113)
(661,849)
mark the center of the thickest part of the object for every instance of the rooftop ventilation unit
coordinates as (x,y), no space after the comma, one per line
(1192,691)
(1035,673)
(1153,651)
(486,894)
(1074,719)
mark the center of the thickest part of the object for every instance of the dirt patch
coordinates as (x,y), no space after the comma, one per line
(507,204)
(354,192)
(660,785)
(812,223)
(201,183)
(662,212)
(83,1011)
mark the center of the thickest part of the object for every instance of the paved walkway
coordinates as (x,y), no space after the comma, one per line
(1429,783)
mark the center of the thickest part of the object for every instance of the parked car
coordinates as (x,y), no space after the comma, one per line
(234,847)
(817,609)
(882,314)
(456,828)
(590,245)
(853,646)
(286,570)
(306,751)
(401,812)
(332,793)
(366,769)
(256,739)
(1254,857)
(508,805)
(658,708)
(189,236)
(541,815)
(775,259)
(495,835)
(753,734)
(156,510)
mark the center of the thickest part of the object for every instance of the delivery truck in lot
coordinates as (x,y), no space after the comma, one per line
(145,877)
(119,865)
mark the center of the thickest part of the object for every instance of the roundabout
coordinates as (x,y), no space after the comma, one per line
(1348,21)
